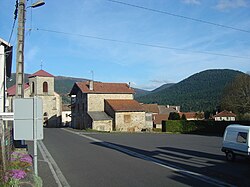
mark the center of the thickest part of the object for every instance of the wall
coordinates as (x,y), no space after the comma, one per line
(224,119)
(52,106)
(104,125)
(66,119)
(38,82)
(78,111)
(2,59)
(96,101)
(6,145)
(129,121)
(149,121)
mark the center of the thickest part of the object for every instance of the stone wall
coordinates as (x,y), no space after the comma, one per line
(52,105)
(129,121)
(6,145)
(96,101)
(38,82)
(104,125)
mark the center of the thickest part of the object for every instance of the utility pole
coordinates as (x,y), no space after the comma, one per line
(20,50)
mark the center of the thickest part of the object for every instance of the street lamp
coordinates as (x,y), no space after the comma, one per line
(20,46)
(37,4)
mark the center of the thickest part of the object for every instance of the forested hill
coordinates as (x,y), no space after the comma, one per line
(199,92)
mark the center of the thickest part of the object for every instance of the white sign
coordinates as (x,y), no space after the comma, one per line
(28,121)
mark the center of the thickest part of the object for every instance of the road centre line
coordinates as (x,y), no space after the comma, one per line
(55,170)
(172,167)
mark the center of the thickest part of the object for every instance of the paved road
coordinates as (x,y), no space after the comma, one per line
(116,159)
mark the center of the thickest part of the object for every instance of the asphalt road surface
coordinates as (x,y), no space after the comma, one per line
(77,158)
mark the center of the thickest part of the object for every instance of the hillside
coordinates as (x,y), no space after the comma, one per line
(163,87)
(199,92)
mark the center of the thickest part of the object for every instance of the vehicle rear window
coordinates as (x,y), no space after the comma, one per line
(242,137)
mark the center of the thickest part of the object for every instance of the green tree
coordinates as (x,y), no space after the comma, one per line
(236,96)
(174,116)
(183,117)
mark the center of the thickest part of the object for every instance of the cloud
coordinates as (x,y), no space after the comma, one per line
(153,84)
(231,4)
(195,2)
(159,81)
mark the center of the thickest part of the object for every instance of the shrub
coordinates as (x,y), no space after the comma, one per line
(174,126)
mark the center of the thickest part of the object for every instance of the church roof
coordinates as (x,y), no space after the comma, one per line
(41,73)
(12,90)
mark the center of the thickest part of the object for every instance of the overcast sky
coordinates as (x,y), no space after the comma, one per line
(145,42)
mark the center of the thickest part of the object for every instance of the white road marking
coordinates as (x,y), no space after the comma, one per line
(55,170)
(172,167)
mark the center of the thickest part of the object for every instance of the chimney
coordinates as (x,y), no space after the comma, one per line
(91,85)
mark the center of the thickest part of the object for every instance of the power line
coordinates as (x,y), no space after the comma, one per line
(180,16)
(14,22)
(142,44)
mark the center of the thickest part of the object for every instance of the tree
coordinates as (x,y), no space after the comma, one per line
(183,117)
(174,116)
(236,96)
(199,115)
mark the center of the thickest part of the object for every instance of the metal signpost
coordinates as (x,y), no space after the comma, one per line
(28,122)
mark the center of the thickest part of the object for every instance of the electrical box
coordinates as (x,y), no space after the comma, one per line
(28,119)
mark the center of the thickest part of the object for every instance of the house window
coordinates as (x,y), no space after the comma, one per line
(45,87)
(127,118)
(242,137)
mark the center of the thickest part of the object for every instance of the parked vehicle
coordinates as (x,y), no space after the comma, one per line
(236,141)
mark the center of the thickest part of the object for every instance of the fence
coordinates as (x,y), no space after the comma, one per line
(6,138)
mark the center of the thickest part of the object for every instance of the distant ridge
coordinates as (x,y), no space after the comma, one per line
(199,92)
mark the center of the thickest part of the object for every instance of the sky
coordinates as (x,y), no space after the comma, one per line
(145,42)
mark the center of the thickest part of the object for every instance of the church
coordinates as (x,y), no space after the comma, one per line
(41,84)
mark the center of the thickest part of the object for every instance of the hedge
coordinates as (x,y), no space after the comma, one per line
(199,127)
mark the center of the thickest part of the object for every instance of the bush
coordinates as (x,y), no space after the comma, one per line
(174,126)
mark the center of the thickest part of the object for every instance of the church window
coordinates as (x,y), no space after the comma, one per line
(45,87)
(33,87)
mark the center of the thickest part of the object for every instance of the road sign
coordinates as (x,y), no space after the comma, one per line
(28,121)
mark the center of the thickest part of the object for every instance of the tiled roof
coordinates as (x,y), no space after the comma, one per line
(12,90)
(124,105)
(41,73)
(100,87)
(190,115)
(158,118)
(225,114)
(151,108)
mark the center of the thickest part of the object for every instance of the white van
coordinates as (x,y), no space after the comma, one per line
(236,141)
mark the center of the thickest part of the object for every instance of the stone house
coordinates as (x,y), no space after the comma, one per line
(66,115)
(41,84)
(193,116)
(105,107)
(5,71)
(159,113)
(225,116)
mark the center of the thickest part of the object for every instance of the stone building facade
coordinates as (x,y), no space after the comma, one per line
(41,84)
(90,107)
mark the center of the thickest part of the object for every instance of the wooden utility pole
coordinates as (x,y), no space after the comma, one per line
(20,50)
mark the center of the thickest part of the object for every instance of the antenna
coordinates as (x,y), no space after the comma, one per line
(92,75)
